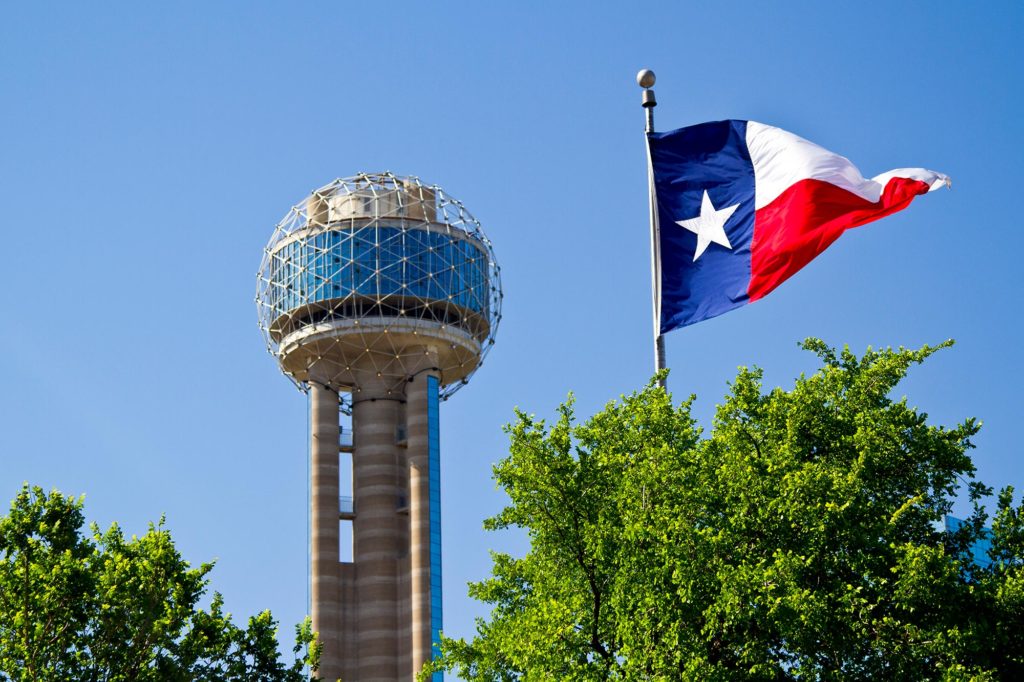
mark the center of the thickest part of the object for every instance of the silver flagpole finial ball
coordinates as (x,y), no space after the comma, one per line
(645,78)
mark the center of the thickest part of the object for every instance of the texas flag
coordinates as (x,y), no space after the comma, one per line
(741,206)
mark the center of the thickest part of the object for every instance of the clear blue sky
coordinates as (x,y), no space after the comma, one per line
(147,152)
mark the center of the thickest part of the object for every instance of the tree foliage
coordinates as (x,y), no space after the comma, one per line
(102,607)
(801,539)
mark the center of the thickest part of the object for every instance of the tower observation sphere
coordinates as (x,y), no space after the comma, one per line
(370,274)
(379,296)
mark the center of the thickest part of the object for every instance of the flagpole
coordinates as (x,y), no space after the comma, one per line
(645,79)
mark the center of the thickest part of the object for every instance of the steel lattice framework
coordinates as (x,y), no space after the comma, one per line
(370,273)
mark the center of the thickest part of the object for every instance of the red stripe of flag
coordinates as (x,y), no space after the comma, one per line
(806,218)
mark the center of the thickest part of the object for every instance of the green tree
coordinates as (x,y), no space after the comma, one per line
(102,607)
(801,539)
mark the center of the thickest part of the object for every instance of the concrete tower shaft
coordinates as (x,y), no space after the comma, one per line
(377,537)
(380,297)
(424,615)
(326,578)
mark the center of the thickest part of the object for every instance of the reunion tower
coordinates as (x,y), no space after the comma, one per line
(379,296)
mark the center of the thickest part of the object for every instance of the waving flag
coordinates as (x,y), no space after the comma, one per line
(741,206)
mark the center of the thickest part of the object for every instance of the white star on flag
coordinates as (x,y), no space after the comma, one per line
(709,226)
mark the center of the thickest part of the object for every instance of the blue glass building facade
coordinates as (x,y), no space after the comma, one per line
(434,466)
(378,263)
(981,547)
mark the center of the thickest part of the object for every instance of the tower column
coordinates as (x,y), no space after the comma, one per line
(377,538)
(324,560)
(418,425)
